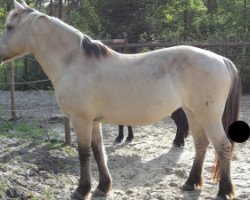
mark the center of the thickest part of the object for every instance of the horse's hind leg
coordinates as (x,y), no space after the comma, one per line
(120,135)
(201,143)
(223,148)
(181,122)
(130,134)
(105,182)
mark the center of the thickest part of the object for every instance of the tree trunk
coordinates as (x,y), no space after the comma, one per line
(211,5)
(51,8)
(60,9)
(185,21)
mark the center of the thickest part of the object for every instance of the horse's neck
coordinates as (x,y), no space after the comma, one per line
(52,50)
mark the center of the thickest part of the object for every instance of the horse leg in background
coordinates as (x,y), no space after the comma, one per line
(105,182)
(121,134)
(130,134)
(223,148)
(201,143)
(84,134)
(181,122)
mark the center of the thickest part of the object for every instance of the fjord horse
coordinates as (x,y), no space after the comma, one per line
(94,84)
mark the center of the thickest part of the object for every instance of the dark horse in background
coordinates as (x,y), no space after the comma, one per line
(180,120)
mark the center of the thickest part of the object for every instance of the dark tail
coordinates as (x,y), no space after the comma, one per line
(232,108)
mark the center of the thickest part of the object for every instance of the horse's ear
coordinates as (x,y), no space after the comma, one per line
(40,25)
(18,6)
(24,4)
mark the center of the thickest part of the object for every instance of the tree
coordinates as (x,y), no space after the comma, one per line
(211,5)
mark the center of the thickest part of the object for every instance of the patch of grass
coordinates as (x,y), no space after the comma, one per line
(54,144)
(60,146)
(3,188)
(22,130)
(33,196)
(49,194)
(71,151)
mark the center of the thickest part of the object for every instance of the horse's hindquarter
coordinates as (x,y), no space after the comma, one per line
(205,82)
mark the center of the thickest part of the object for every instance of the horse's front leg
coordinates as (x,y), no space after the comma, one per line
(83,130)
(105,182)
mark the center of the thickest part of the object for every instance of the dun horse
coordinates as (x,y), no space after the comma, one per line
(94,85)
(180,120)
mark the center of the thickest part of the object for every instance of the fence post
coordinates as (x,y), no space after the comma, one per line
(12,89)
(67,131)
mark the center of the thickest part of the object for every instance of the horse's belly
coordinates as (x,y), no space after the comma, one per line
(139,113)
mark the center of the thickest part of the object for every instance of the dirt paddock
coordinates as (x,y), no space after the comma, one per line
(147,168)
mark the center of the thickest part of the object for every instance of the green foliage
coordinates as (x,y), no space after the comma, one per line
(86,19)
(3,188)
(22,130)
(245,79)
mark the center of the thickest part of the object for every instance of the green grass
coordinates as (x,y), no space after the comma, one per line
(3,188)
(22,131)
(60,146)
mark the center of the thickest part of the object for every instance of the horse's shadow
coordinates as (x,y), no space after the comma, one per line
(151,173)
(142,173)
(128,172)
(44,159)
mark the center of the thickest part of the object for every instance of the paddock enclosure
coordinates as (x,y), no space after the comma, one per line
(201,82)
(148,168)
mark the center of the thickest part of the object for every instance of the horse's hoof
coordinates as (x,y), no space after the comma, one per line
(224,197)
(118,141)
(221,198)
(99,193)
(129,140)
(186,187)
(178,144)
(77,196)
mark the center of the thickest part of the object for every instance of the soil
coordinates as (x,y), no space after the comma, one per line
(147,168)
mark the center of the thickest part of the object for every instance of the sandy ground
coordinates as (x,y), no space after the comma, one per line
(147,168)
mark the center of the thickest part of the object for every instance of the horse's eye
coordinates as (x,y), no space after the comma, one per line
(9,28)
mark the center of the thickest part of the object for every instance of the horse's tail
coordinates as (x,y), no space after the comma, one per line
(232,107)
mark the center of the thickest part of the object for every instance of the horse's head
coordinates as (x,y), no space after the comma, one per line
(16,39)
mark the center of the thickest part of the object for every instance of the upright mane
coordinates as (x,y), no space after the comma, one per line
(93,47)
